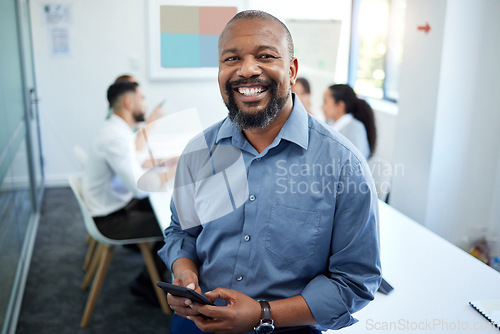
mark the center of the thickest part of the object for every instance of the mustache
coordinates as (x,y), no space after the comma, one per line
(255,81)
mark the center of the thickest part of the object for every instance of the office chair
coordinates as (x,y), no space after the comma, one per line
(80,155)
(82,158)
(105,252)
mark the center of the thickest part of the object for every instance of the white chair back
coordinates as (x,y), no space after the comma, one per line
(75,183)
(81,156)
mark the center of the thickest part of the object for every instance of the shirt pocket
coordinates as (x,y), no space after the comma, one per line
(291,233)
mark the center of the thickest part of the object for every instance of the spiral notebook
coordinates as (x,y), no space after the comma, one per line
(490,309)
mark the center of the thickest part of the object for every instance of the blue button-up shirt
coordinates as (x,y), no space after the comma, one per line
(308,224)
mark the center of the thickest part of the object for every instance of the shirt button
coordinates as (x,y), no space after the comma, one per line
(252,198)
(247,237)
(239,277)
(258,159)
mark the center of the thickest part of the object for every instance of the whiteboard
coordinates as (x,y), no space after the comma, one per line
(316,45)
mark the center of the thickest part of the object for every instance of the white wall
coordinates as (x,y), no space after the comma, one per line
(494,221)
(418,91)
(386,114)
(467,140)
(447,128)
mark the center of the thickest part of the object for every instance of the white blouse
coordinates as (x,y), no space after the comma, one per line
(355,131)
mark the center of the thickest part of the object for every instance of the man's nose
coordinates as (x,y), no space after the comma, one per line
(249,67)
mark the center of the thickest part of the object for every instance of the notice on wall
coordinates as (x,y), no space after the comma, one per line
(59,41)
(58,18)
(58,14)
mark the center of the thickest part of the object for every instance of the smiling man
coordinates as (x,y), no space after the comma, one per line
(289,259)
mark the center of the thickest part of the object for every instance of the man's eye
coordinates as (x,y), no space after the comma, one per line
(231,59)
(266,56)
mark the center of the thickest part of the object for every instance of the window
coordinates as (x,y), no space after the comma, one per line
(376,47)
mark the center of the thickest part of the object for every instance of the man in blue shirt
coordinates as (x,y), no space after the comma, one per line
(273,215)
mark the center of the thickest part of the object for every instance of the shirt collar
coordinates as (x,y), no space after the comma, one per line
(295,129)
(115,119)
(342,122)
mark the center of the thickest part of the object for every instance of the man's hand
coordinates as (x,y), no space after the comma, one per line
(240,315)
(186,274)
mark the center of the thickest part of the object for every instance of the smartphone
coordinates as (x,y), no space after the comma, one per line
(180,291)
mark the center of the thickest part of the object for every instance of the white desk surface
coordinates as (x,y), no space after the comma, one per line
(160,201)
(433,280)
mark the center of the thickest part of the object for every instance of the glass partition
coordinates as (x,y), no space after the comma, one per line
(21,169)
(16,209)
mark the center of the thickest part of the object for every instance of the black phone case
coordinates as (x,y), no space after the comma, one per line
(180,291)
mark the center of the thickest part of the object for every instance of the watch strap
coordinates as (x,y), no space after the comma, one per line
(265,314)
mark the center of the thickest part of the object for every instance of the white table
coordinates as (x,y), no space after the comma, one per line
(433,280)
(433,283)
(160,201)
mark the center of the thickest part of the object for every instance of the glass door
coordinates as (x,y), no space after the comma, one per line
(21,163)
(31,101)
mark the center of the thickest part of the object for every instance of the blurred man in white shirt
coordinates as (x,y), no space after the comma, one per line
(120,209)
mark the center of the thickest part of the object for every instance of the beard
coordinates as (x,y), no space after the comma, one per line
(258,120)
(139,117)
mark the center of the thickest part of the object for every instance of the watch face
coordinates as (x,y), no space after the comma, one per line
(265,328)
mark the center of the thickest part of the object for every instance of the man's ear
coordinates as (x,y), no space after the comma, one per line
(294,68)
(127,101)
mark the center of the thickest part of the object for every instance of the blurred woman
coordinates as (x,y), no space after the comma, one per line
(351,116)
(303,90)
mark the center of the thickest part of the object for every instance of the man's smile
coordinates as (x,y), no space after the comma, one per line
(251,91)
(246,91)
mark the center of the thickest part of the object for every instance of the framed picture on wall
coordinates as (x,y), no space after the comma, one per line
(183,37)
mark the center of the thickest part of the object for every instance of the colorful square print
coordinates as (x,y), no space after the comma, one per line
(189,34)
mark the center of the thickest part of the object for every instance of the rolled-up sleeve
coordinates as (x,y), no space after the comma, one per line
(354,271)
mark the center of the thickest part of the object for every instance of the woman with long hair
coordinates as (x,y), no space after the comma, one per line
(351,116)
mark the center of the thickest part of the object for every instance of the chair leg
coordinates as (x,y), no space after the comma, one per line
(93,267)
(97,285)
(87,240)
(153,274)
(90,252)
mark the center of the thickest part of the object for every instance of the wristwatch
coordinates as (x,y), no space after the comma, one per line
(266,324)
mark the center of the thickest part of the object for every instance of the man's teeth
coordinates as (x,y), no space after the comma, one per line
(250,91)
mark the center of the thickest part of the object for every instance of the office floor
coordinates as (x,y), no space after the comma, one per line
(53,301)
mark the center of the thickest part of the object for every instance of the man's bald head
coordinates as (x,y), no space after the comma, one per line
(260,15)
